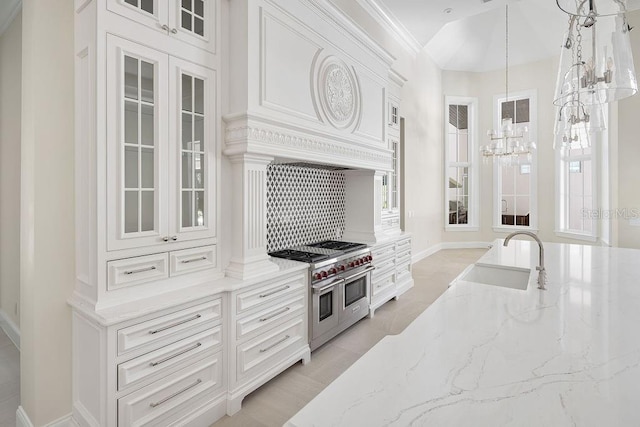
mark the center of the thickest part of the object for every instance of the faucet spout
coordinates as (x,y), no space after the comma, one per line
(542,273)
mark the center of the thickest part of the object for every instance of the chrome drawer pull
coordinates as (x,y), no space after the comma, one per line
(186,350)
(160,402)
(187,261)
(284,288)
(262,350)
(284,310)
(173,325)
(141,270)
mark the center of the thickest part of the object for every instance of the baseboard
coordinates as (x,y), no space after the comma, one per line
(419,256)
(22,420)
(10,328)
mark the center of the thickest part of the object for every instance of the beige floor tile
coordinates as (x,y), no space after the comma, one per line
(279,399)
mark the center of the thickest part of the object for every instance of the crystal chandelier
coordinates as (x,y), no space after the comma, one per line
(510,141)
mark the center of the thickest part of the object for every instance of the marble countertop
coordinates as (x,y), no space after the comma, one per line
(485,355)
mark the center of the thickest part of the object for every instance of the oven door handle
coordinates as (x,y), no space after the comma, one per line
(362,273)
(329,286)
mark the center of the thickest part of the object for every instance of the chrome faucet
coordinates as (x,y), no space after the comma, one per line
(542,273)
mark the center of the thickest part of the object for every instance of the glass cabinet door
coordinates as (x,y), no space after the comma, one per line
(138,146)
(135,139)
(195,148)
(194,21)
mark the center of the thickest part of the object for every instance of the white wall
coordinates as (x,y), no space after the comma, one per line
(540,76)
(47,227)
(422,108)
(10,104)
(626,179)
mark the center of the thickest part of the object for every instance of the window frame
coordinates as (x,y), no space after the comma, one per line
(473,219)
(563,160)
(498,227)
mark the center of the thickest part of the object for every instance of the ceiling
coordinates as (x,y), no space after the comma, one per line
(471,37)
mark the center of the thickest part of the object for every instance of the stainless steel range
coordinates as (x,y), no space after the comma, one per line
(340,277)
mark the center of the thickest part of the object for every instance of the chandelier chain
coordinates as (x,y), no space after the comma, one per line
(506,59)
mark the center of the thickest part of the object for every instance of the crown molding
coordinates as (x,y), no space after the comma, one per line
(334,14)
(8,11)
(389,22)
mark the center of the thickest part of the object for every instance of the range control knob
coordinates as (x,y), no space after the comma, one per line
(352,264)
(323,273)
(318,276)
(370,258)
(341,267)
(333,271)
(357,262)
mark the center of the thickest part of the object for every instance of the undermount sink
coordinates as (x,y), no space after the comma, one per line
(507,277)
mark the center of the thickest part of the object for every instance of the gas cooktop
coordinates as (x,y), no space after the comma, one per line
(319,251)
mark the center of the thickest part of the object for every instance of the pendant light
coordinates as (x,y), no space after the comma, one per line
(596,61)
(510,140)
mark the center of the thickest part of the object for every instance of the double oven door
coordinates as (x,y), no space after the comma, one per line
(338,303)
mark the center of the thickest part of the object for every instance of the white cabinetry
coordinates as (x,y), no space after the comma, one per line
(154,370)
(147,147)
(392,276)
(161,147)
(269,332)
(191,21)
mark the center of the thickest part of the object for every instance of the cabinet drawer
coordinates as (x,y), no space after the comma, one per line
(403,258)
(383,267)
(134,271)
(403,272)
(167,359)
(269,349)
(166,401)
(383,252)
(267,293)
(170,328)
(190,260)
(270,316)
(403,245)
(383,284)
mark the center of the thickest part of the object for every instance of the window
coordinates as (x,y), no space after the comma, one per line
(461,204)
(576,193)
(515,176)
(390,181)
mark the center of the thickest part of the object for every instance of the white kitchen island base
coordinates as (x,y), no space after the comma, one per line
(488,355)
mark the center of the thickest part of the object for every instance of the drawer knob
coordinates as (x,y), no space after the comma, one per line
(262,350)
(177,393)
(179,353)
(140,270)
(272,315)
(187,261)
(173,325)
(275,291)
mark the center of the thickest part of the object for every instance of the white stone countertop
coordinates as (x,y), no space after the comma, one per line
(485,355)
(141,307)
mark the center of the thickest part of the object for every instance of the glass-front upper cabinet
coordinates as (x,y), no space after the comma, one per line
(194,131)
(161,155)
(136,141)
(191,21)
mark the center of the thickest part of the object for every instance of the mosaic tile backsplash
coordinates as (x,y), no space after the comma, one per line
(304,205)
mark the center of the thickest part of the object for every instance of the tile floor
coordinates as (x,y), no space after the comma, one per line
(279,399)
(9,380)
